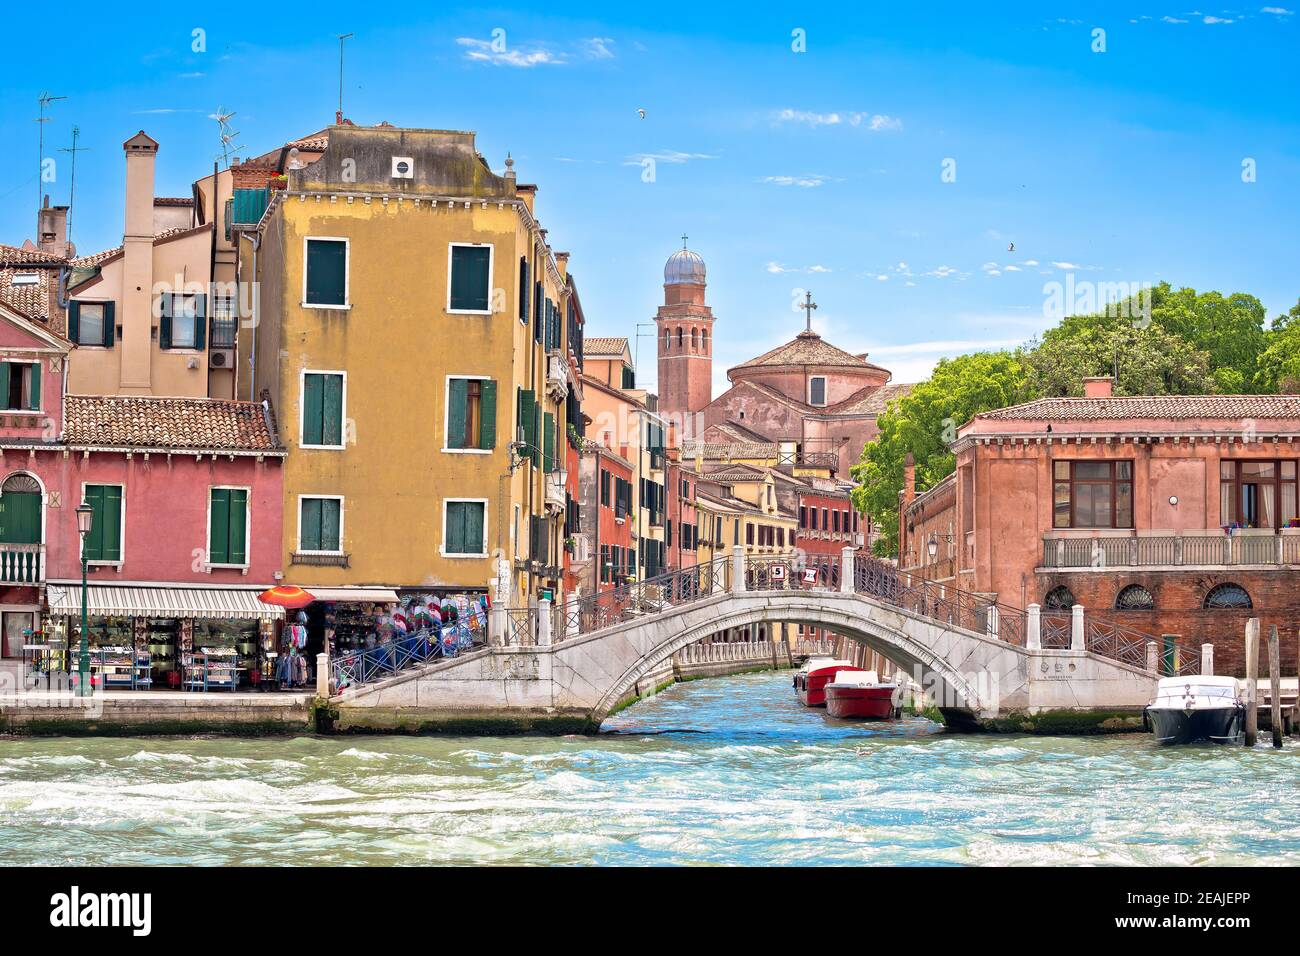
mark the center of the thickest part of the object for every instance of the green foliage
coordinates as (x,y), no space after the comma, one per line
(925,422)
(1150,360)
(1279,363)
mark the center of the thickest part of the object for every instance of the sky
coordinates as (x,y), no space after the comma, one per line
(884,156)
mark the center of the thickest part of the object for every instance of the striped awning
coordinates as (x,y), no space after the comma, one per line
(114,601)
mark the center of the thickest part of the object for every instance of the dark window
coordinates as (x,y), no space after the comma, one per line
(1059,599)
(1092,494)
(629,377)
(1228,597)
(91,323)
(223,322)
(1257,494)
(525,289)
(20,386)
(470,279)
(471,413)
(749,533)
(1135,598)
(182,321)
(327,272)
(817,390)
(604,487)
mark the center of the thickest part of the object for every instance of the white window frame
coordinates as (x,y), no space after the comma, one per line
(39,360)
(298,548)
(446,414)
(101,346)
(302,409)
(492,256)
(811,379)
(121,531)
(442,544)
(248,527)
(347,273)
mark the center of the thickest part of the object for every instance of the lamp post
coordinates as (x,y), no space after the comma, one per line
(85,520)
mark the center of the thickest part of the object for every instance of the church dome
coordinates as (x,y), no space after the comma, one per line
(684,268)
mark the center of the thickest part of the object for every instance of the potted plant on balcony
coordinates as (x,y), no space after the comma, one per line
(278,182)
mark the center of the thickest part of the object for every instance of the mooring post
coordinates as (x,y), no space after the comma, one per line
(1275,685)
(323,674)
(737,568)
(1034,628)
(1252,681)
(544,623)
(1153,657)
(846,571)
(1076,628)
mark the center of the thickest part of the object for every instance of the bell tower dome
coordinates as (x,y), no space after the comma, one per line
(684,325)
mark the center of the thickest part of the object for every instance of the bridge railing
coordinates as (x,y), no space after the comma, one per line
(1056,630)
(938,602)
(1111,638)
(641,598)
(384,660)
(521,626)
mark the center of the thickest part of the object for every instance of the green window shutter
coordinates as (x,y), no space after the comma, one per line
(549,435)
(200,321)
(469,277)
(309,525)
(473,527)
(326,272)
(313,409)
(165,321)
(34,393)
(109,324)
(219,527)
(457,412)
(74,320)
(94,541)
(454,533)
(238,526)
(112,523)
(537,311)
(528,421)
(4,384)
(487,432)
(332,410)
(330,539)
(537,434)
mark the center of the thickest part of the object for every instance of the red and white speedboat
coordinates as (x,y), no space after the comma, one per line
(858,693)
(811,679)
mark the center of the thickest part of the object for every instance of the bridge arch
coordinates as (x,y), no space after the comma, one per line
(895,635)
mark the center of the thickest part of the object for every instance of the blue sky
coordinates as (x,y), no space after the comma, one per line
(819,169)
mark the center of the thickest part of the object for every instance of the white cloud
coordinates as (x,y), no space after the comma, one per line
(482,51)
(1217,20)
(1172,20)
(597,48)
(1030,262)
(942,272)
(1277,11)
(1011,268)
(1067,265)
(876,122)
(805,181)
(777,268)
(666,156)
(818,269)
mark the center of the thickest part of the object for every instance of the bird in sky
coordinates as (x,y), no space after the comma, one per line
(641,113)
(1011,248)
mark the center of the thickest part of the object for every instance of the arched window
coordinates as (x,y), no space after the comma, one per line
(1228,597)
(20,483)
(695,341)
(1059,598)
(679,337)
(1135,598)
(668,340)
(704,341)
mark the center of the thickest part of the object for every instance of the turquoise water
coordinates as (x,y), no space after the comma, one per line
(712,772)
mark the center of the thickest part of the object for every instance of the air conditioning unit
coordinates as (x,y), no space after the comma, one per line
(403,167)
(221,358)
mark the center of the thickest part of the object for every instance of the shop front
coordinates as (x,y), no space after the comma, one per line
(158,638)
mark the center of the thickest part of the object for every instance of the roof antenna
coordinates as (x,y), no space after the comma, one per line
(74,149)
(228,145)
(45,100)
(338,117)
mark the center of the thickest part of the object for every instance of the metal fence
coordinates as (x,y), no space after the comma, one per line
(652,596)
(1054,630)
(384,660)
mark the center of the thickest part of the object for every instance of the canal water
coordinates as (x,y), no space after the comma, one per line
(721,771)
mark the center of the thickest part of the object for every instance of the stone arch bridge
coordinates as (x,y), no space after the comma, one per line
(976,659)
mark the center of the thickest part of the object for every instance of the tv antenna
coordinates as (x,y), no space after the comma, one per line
(338,117)
(74,149)
(45,99)
(228,145)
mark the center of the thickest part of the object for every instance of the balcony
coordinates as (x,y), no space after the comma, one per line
(555,496)
(1210,548)
(557,376)
(22,563)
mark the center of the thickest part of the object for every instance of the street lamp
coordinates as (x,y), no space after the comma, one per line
(85,520)
(932,547)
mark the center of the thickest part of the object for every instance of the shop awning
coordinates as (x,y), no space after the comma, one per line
(358,595)
(125,601)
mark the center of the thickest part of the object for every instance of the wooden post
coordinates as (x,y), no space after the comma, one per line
(1275,685)
(1252,680)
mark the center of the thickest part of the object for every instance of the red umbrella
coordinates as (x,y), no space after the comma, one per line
(287,596)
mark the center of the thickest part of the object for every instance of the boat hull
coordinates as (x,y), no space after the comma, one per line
(1220,725)
(861,703)
(810,687)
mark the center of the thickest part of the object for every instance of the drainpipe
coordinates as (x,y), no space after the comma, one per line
(256,240)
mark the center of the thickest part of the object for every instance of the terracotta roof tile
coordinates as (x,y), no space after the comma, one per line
(16,255)
(193,424)
(871,401)
(807,348)
(604,346)
(33,301)
(1220,407)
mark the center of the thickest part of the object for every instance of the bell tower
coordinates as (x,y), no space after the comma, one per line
(684,327)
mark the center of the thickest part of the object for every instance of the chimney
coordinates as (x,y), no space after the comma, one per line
(909,479)
(52,229)
(1098,386)
(136,316)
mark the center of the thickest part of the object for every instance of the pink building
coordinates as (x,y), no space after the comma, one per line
(187,497)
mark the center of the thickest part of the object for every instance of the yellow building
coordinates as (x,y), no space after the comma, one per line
(409,328)
(739,504)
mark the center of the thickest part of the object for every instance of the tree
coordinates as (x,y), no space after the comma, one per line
(925,422)
(1279,363)
(1229,329)
(1150,360)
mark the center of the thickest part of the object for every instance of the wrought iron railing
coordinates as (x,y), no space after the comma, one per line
(1109,638)
(1055,630)
(777,572)
(652,596)
(938,602)
(521,626)
(384,660)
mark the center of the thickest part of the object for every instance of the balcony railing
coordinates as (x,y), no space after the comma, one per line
(557,375)
(1212,548)
(22,563)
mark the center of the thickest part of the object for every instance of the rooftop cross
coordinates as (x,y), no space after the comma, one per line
(808,306)
(683,240)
